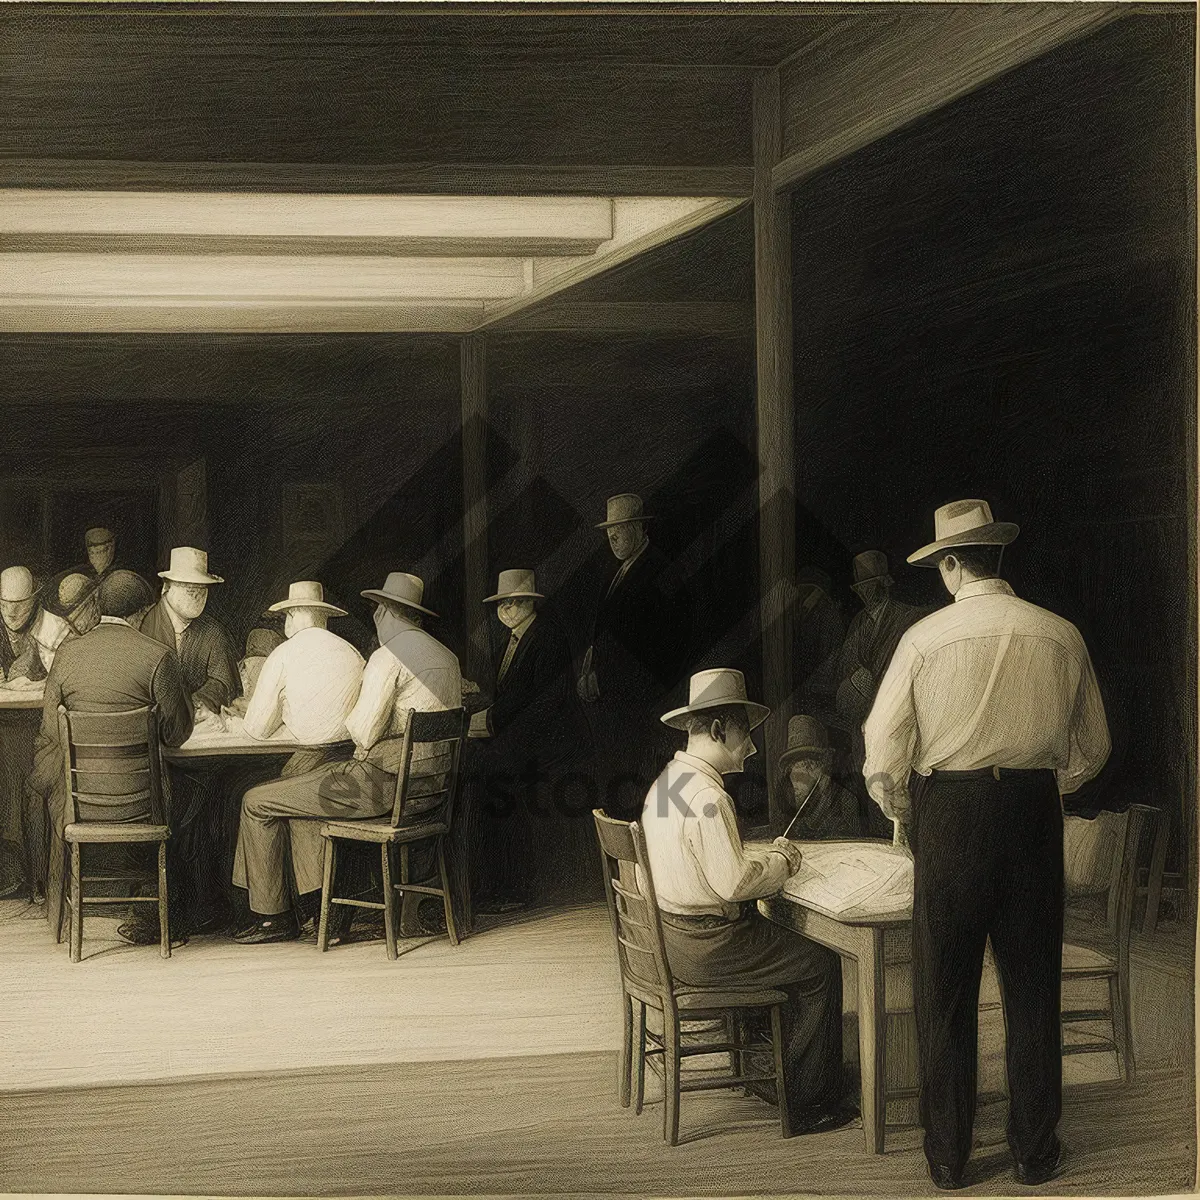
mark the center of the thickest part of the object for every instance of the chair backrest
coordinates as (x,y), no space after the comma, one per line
(431,792)
(113,765)
(1101,857)
(633,908)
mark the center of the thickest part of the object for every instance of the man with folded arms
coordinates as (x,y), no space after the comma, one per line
(993,703)
(706,880)
(410,670)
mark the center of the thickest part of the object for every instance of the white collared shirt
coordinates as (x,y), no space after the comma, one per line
(697,860)
(413,670)
(988,681)
(114,621)
(310,684)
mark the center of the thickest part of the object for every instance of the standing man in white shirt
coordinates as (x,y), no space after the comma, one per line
(993,704)
(706,880)
(410,670)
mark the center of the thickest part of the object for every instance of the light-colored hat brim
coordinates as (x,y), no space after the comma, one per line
(997,533)
(190,577)
(623,521)
(513,596)
(332,609)
(677,717)
(376,594)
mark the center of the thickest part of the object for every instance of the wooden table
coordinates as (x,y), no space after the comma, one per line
(20,699)
(235,742)
(870,939)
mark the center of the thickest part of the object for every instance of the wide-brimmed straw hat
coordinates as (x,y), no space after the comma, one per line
(963,523)
(718,688)
(622,509)
(308,593)
(402,588)
(517,584)
(189,565)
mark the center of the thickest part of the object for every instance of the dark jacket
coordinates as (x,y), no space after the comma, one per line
(207,655)
(28,662)
(110,668)
(536,716)
(642,635)
(866,652)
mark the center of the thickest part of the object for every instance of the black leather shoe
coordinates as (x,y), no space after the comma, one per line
(945,1178)
(282,928)
(142,933)
(823,1119)
(1039,1170)
(211,925)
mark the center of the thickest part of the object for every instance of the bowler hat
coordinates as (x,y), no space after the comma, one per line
(718,688)
(622,509)
(16,584)
(518,584)
(189,565)
(402,588)
(806,736)
(307,594)
(963,523)
(869,566)
(122,593)
(67,591)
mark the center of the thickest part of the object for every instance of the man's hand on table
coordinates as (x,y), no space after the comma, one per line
(790,851)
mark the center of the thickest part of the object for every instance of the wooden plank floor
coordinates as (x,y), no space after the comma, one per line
(522,1125)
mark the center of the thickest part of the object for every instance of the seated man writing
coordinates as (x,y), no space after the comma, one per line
(705,879)
(410,670)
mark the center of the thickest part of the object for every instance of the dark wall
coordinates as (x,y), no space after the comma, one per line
(999,302)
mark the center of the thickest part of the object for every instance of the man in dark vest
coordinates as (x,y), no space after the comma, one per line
(523,745)
(639,641)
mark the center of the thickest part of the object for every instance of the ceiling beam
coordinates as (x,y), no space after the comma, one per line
(873,77)
(419,178)
(240,223)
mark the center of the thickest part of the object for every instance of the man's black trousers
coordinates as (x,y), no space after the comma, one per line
(988,857)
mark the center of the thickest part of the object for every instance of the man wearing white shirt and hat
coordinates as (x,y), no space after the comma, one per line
(410,670)
(706,880)
(992,703)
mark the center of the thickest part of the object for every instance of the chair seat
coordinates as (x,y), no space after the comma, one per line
(115,832)
(699,999)
(380,831)
(1082,959)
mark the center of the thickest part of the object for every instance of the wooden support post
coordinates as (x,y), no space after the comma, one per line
(776,425)
(473,374)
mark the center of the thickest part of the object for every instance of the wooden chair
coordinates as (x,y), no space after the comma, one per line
(433,823)
(1101,865)
(646,981)
(118,794)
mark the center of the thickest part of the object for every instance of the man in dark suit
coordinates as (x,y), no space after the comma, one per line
(535,735)
(639,642)
(109,667)
(208,661)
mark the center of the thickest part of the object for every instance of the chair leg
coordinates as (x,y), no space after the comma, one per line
(63,892)
(389,904)
(1118,1002)
(785,1116)
(733,1029)
(164,917)
(326,892)
(640,1097)
(671,1078)
(447,899)
(626,1077)
(76,903)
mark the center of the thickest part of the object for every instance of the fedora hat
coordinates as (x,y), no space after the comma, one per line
(98,536)
(717,688)
(869,566)
(189,565)
(517,584)
(623,508)
(307,594)
(16,584)
(805,736)
(402,588)
(963,523)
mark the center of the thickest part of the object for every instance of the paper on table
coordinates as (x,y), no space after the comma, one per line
(210,733)
(845,877)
